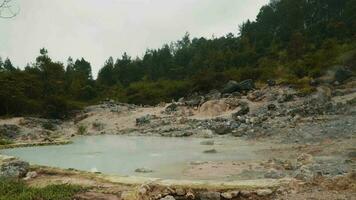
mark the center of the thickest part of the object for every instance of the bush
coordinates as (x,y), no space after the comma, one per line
(5,142)
(58,107)
(82,130)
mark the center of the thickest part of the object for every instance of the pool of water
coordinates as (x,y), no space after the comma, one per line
(121,155)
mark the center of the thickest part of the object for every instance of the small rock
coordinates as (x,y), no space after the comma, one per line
(143,120)
(230,195)
(244,109)
(273,174)
(222,129)
(210,151)
(180,192)
(190,196)
(31,175)
(169,197)
(209,196)
(264,192)
(305,159)
(271,83)
(173,107)
(13,168)
(128,195)
(303,173)
(342,74)
(207,142)
(143,170)
(245,193)
(271,107)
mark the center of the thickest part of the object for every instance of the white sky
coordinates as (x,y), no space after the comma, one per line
(97,29)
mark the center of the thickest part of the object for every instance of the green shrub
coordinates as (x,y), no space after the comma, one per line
(49,126)
(82,130)
(5,142)
(18,190)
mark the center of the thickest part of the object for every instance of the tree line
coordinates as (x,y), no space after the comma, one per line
(291,40)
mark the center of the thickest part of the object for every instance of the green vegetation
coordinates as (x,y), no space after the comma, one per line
(18,190)
(291,41)
(5,142)
(82,130)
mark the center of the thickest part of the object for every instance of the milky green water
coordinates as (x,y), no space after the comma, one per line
(121,155)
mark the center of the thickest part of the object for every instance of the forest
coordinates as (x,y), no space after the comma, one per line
(290,41)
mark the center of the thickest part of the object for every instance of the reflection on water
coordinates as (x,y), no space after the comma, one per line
(123,154)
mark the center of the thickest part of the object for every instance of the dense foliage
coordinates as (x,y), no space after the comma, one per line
(18,190)
(290,40)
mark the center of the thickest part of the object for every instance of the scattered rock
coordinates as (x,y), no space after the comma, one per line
(230,195)
(271,107)
(128,195)
(11,167)
(233,86)
(246,193)
(244,109)
(305,159)
(168,198)
(209,196)
(232,102)
(213,95)
(98,126)
(303,173)
(96,196)
(190,196)
(342,74)
(143,170)
(180,192)
(352,155)
(173,107)
(9,131)
(207,142)
(143,120)
(285,98)
(31,175)
(247,85)
(264,192)
(273,174)
(255,96)
(271,82)
(222,129)
(210,151)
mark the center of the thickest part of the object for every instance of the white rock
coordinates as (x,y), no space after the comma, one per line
(168,198)
(264,192)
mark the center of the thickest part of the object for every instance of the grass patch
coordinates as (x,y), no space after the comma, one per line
(82,130)
(18,190)
(5,142)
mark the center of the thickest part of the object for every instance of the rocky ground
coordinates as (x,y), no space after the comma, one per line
(311,140)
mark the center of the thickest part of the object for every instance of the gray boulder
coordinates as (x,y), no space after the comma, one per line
(9,131)
(271,83)
(247,85)
(244,109)
(342,74)
(143,170)
(222,129)
(11,167)
(143,120)
(169,197)
(233,86)
(209,196)
(173,107)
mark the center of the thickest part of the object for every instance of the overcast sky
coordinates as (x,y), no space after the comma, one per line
(97,29)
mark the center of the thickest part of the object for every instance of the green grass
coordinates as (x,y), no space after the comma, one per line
(5,142)
(18,190)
